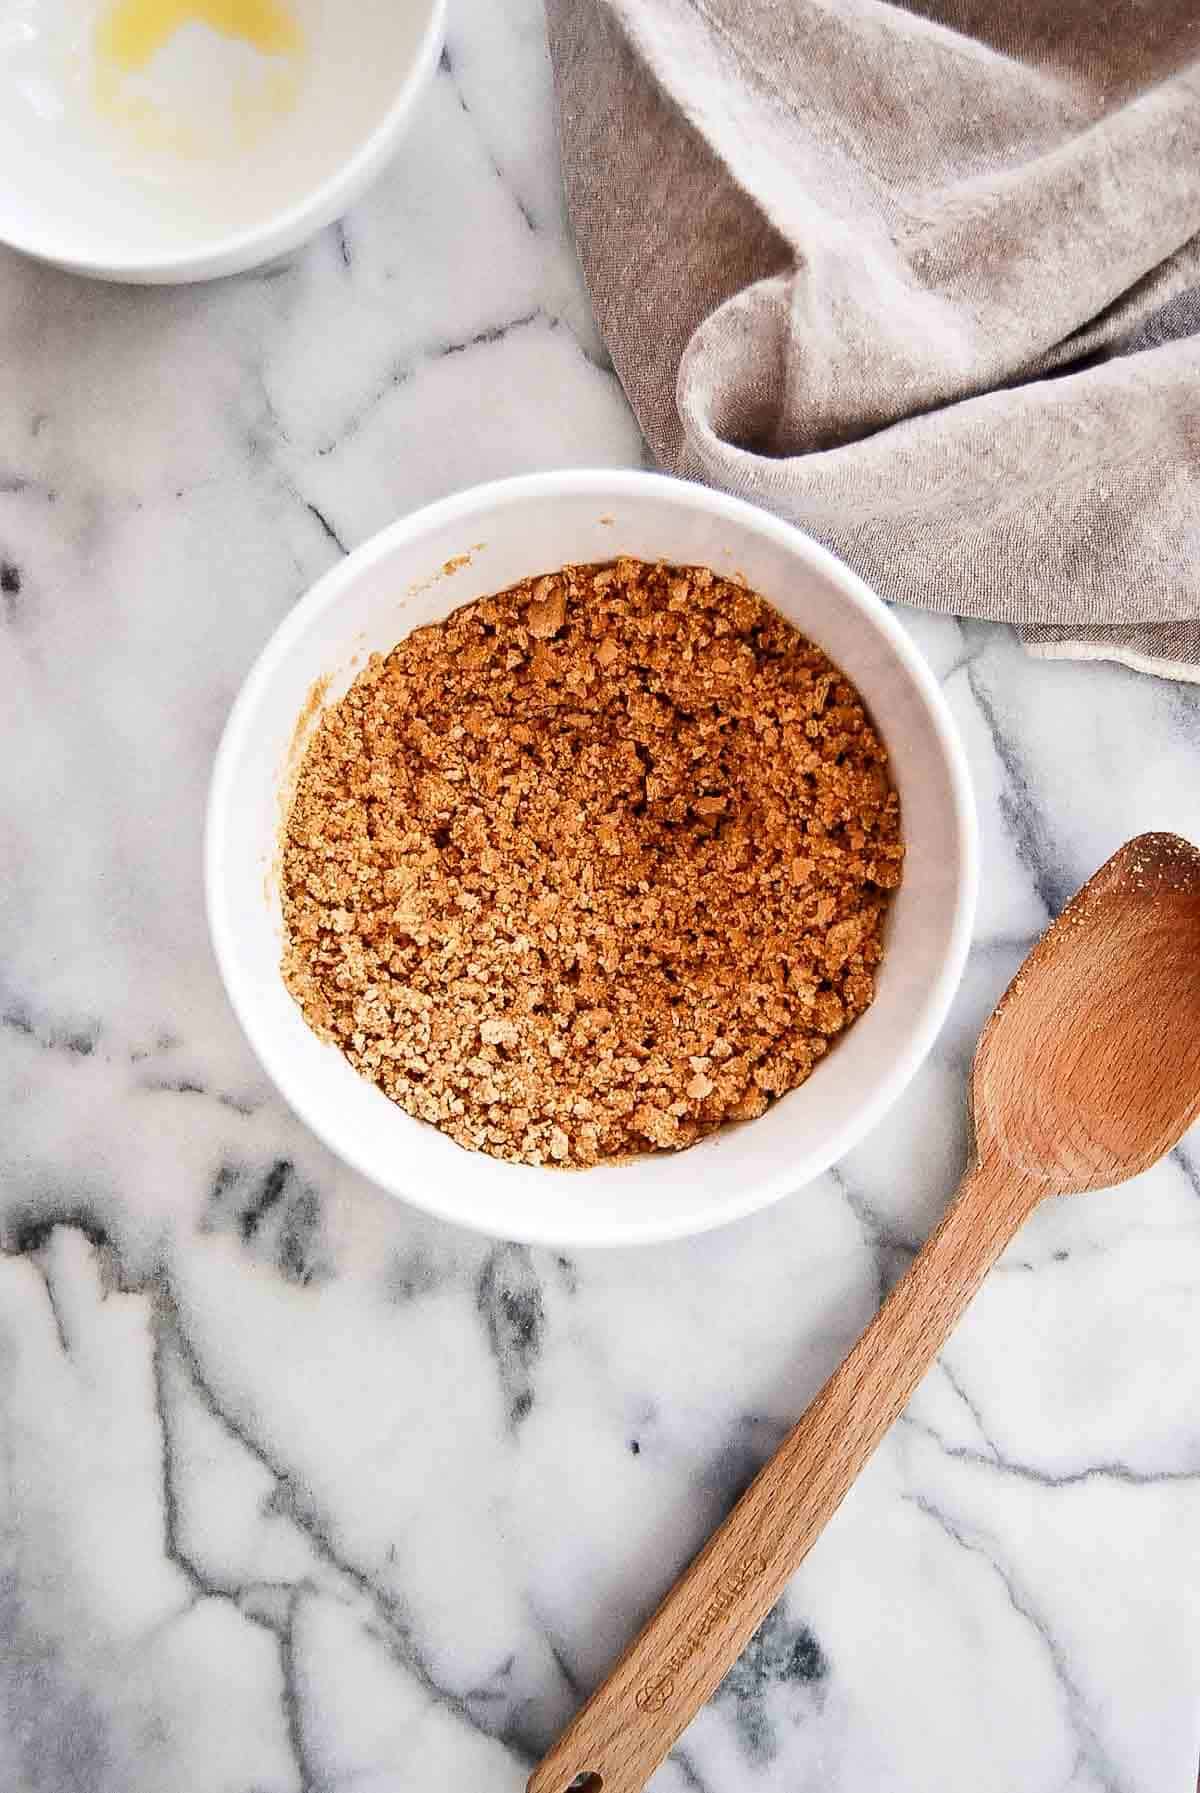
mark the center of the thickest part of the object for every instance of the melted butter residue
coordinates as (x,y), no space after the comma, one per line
(134,30)
(133,37)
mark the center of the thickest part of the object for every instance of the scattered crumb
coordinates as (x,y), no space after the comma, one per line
(317,693)
(292,767)
(592,866)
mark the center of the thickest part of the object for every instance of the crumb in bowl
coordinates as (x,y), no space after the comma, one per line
(592,867)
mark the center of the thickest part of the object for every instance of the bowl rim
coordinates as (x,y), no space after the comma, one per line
(211,258)
(602,484)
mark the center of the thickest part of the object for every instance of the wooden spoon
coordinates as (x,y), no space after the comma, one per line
(1087,1072)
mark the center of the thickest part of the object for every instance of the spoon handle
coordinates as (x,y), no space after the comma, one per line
(683,1652)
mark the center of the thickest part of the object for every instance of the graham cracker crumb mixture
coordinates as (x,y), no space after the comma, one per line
(592,866)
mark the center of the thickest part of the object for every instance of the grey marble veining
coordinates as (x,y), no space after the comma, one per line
(303,1493)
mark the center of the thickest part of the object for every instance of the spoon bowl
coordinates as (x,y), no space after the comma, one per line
(1089,1069)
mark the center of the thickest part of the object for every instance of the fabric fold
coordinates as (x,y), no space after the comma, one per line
(924,279)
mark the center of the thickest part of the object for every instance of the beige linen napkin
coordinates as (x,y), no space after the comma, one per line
(923,277)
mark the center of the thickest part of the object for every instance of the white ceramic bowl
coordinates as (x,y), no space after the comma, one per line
(412,574)
(211,156)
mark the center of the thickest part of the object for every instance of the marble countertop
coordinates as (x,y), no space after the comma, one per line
(301,1492)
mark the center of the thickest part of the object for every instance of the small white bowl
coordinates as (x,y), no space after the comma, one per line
(417,572)
(210,157)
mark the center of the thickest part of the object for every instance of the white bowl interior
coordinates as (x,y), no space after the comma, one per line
(411,575)
(212,138)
